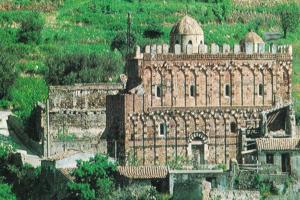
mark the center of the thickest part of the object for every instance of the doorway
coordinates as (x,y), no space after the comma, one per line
(198,154)
(286,163)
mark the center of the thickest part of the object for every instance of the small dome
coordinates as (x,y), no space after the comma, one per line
(252,37)
(187,26)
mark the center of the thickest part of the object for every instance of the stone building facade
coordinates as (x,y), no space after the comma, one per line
(191,100)
(74,118)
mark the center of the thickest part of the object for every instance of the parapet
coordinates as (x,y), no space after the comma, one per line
(214,49)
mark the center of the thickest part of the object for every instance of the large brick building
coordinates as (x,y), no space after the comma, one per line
(197,101)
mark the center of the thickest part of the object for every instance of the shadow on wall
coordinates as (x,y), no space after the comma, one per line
(191,190)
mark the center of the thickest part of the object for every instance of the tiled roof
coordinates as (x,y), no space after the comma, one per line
(269,144)
(143,172)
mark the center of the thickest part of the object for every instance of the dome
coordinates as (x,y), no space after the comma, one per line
(253,37)
(187,26)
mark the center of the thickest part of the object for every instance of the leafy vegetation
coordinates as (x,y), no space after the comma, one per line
(7,74)
(290,17)
(25,94)
(93,179)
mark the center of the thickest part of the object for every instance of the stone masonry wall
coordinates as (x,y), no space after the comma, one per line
(78,110)
(256,82)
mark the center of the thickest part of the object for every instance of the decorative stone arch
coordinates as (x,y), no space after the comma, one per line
(198,147)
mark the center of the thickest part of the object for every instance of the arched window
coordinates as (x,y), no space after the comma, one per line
(233,127)
(227,90)
(260,89)
(158,91)
(190,42)
(192,90)
(162,129)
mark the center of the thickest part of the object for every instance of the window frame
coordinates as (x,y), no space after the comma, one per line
(192,90)
(158,92)
(270,158)
(162,128)
(260,90)
(227,85)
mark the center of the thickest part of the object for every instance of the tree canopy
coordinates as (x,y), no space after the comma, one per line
(94,179)
(290,17)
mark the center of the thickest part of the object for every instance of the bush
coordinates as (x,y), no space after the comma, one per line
(31,27)
(137,192)
(93,179)
(153,32)
(25,94)
(290,17)
(5,192)
(7,73)
(84,68)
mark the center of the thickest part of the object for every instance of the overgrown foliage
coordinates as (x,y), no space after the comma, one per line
(137,192)
(22,178)
(84,68)
(25,94)
(94,179)
(7,73)
(31,27)
(5,192)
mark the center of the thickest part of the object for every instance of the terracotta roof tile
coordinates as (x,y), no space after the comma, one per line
(269,144)
(143,172)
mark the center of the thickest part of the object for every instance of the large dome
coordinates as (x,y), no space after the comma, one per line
(253,37)
(187,26)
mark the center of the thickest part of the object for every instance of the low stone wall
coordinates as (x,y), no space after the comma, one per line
(91,145)
(234,194)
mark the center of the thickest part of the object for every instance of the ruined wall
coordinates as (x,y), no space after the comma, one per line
(77,112)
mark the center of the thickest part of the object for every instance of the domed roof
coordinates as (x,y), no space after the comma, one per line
(187,26)
(252,37)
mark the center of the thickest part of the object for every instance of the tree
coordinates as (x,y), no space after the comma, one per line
(31,28)
(93,179)
(290,17)
(5,192)
(7,73)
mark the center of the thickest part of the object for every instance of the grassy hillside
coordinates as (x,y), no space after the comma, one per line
(89,26)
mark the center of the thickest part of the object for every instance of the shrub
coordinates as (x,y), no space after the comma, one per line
(31,27)
(153,32)
(84,68)
(25,94)
(7,73)
(93,179)
(6,193)
(137,192)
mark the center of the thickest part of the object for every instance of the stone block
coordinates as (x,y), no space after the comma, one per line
(189,49)
(226,48)
(249,48)
(202,49)
(274,48)
(237,48)
(177,49)
(153,49)
(214,48)
(159,49)
(147,49)
(261,48)
(165,48)
(137,51)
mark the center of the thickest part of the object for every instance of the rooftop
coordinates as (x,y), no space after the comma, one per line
(187,26)
(143,172)
(277,144)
